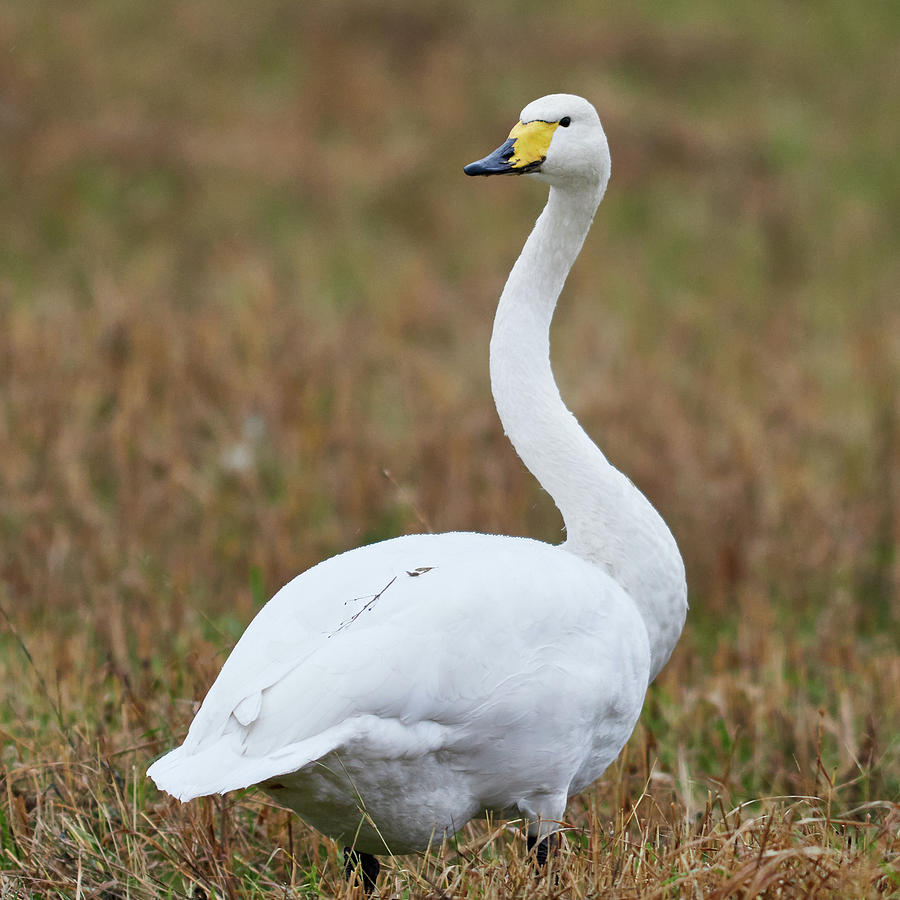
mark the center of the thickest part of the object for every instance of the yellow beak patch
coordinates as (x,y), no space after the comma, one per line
(531,143)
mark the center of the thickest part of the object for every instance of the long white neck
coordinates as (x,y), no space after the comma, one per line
(608,520)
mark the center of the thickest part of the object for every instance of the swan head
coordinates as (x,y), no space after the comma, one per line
(558,139)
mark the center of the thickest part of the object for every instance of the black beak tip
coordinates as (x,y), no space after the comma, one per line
(496,163)
(474,168)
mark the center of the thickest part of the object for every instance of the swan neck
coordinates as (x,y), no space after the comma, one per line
(608,520)
(544,433)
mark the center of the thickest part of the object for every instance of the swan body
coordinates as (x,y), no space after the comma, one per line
(391,693)
(430,685)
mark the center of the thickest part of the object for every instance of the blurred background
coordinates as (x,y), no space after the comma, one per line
(246,295)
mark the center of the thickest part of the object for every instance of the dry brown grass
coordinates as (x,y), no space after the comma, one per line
(245,298)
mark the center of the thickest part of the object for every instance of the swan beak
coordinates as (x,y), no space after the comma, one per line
(523,151)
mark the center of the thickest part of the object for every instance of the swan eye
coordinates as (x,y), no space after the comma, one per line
(565,121)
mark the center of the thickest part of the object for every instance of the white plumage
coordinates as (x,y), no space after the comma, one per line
(393,692)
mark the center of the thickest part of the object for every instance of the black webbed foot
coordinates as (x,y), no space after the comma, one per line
(363,867)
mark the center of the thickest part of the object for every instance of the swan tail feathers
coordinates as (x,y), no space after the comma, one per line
(221,767)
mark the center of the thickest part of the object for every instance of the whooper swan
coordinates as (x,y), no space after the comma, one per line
(393,692)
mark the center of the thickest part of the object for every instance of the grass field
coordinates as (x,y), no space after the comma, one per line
(245,301)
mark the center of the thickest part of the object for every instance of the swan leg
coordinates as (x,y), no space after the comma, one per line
(361,867)
(544,814)
(542,847)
